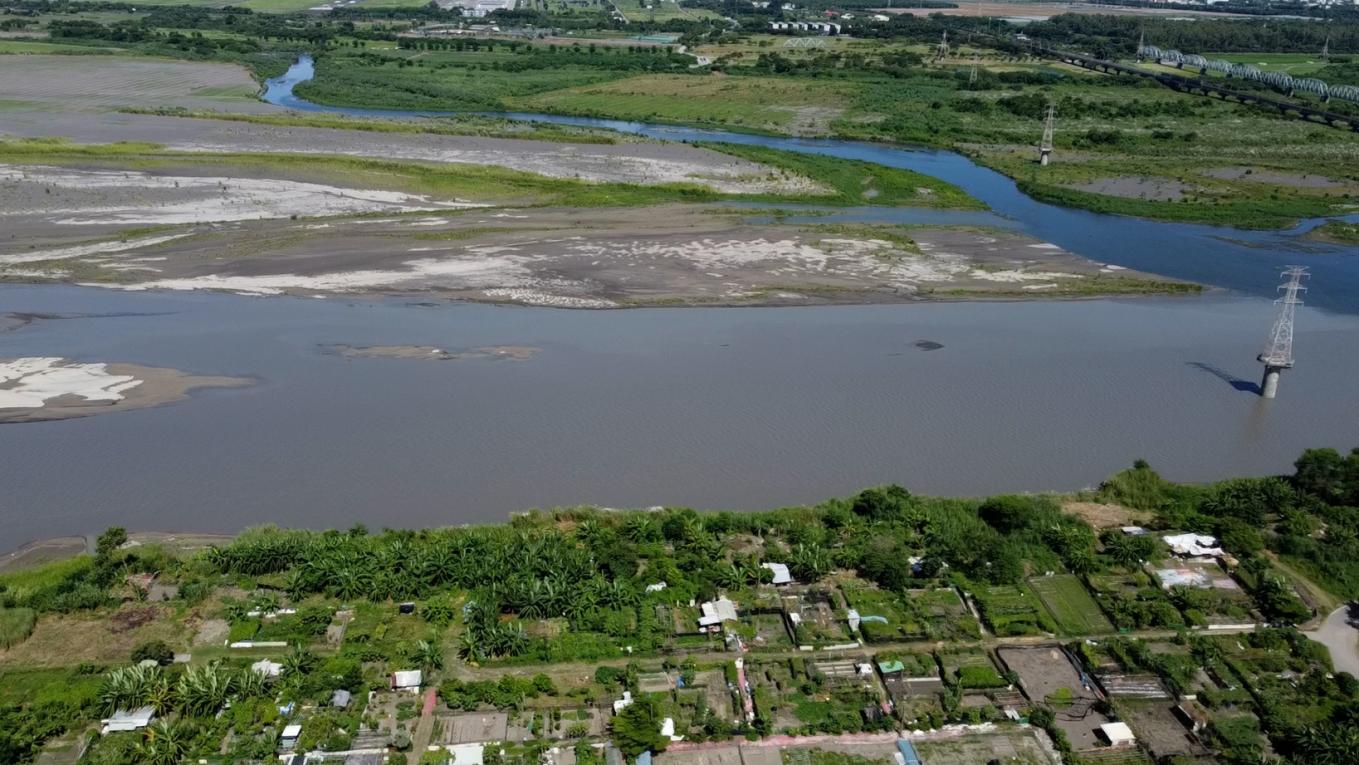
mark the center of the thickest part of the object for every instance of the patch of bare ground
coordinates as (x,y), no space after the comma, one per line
(35,393)
(643,163)
(577,258)
(41,552)
(1278,178)
(79,83)
(61,640)
(1137,187)
(1106,516)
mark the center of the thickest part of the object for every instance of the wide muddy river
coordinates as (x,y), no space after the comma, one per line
(707,407)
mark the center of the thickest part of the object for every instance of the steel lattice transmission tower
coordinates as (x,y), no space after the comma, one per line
(1278,353)
(1045,147)
(941,50)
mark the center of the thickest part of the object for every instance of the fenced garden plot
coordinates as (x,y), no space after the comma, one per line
(1071,606)
(1013,610)
(1130,600)
(971,669)
(926,614)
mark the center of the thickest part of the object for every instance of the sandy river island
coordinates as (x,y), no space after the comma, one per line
(39,388)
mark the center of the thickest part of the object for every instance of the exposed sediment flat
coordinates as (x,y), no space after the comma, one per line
(40,388)
(575,258)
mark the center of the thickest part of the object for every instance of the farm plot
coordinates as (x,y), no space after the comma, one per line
(971,669)
(1071,605)
(1013,610)
(1014,747)
(925,614)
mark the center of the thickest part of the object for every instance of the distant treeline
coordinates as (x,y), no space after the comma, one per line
(1120,34)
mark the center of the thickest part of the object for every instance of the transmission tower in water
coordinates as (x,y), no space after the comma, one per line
(1045,147)
(1278,353)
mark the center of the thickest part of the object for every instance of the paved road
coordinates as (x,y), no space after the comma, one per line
(1343,640)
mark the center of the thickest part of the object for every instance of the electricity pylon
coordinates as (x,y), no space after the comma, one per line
(1278,353)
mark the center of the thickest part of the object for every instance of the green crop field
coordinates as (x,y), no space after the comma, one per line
(1071,605)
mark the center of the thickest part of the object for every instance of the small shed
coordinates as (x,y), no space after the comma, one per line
(406,680)
(126,720)
(1117,734)
(717,611)
(340,699)
(781,573)
(290,735)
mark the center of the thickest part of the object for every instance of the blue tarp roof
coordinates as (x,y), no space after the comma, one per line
(644,758)
(908,752)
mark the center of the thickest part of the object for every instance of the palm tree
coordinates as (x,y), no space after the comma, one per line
(204,690)
(639,528)
(428,655)
(469,646)
(250,684)
(731,577)
(163,743)
(298,662)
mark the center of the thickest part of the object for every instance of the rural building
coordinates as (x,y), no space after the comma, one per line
(340,699)
(406,680)
(620,704)
(717,611)
(906,754)
(781,573)
(1117,734)
(657,587)
(123,720)
(468,754)
(290,735)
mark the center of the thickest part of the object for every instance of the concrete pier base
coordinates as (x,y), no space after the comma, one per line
(1043,157)
(1269,386)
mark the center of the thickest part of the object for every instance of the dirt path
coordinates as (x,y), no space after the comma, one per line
(1340,638)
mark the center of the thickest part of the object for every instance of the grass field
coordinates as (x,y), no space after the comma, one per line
(38,46)
(16,624)
(1337,231)
(1013,610)
(1070,604)
(1296,64)
(774,104)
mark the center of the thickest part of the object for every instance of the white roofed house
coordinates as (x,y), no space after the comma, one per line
(781,573)
(714,612)
(406,680)
(290,735)
(124,720)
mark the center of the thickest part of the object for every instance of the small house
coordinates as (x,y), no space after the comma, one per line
(124,720)
(620,704)
(717,611)
(290,735)
(781,573)
(340,699)
(1117,734)
(406,680)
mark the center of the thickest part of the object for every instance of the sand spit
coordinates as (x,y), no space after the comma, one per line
(604,258)
(99,197)
(430,353)
(37,388)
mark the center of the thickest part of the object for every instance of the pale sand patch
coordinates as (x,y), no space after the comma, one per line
(84,250)
(470,274)
(34,389)
(30,382)
(197,199)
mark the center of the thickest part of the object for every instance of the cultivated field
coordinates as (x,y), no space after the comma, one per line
(1071,605)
